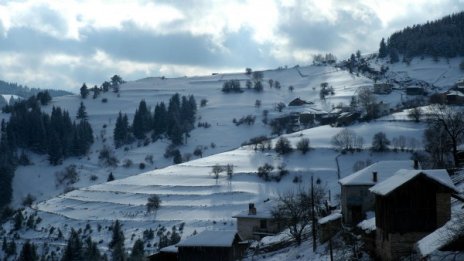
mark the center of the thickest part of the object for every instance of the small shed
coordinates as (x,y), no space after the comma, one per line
(212,245)
(408,206)
(254,224)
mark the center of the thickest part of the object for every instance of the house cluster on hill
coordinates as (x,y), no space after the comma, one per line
(401,209)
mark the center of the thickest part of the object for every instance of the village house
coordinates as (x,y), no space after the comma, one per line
(356,200)
(253,224)
(298,102)
(383,88)
(408,206)
(212,245)
(415,90)
(454,97)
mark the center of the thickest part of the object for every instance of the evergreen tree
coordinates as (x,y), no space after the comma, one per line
(106,86)
(73,250)
(110,177)
(117,243)
(55,150)
(383,52)
(121,131)
(91,252)
(138,251)
(81,113)
(28,252)
(159,120)
(84,91)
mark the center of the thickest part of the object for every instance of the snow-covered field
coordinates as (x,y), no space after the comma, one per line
(188,191)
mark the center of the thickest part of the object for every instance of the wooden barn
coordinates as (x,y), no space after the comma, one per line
(408,206)
(212,245)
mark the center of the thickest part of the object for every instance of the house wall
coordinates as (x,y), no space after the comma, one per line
(356,196)
(206,253)
(329,229)
(247,226)
(396,245)
(443,208)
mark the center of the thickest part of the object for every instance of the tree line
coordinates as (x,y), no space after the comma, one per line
(173,121)
(443,37)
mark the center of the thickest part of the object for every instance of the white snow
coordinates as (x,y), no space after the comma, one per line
(210,238)
(329,218)
(367,225)
(402,176)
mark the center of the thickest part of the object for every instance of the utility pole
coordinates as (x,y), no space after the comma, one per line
(313,215)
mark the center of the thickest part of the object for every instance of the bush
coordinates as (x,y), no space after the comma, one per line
(104,100)
(107,157)
(283,146)
(303,145)
(127,163)
(149,159)
(232,86)
(141,165)
(28,200)
(264,171)
(380,142)
(93,178)
(248,120)
(198,151)
(67,177)
(153,203)
(203,102)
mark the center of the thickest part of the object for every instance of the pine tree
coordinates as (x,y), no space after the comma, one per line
(138,251)
(121,130)
(383,52)
(110,177)
(81,113)
(84,91)
(91,252)
(28,252)
(73,250)
(117,243)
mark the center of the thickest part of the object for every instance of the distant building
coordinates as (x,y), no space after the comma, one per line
(212,245)
(298,102)
(408,206)
(415,90)
(347,118)
(383,88)
(253,224)
(356,199)
(455,97)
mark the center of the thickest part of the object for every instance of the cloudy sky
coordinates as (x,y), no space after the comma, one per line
(63,43)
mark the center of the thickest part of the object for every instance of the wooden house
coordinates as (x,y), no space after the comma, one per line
(356,199)
(212,245)
(298,102)
(408,206)
(253,224)
(383,88)
(455,97)
(415,90)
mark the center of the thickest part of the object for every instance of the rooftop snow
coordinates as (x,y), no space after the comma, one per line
(439,238)
(384,169)
(368,225)
(329,218)
(402,176)
(210,239)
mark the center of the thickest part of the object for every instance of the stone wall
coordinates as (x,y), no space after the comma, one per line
(394,246)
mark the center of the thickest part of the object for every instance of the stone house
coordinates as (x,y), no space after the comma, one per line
(356,199)
(253,224)
(408,206)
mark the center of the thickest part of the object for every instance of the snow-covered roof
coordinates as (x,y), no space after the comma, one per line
(384,169)
(368,225)
(169,249)
(439,238)
(457,93)
(402,176)
(210,238)
(329,218)
(261,214)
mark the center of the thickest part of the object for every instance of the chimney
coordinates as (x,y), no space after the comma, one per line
(251,209)
(374,176)
(416,164)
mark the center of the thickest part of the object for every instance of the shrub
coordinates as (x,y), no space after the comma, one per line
(203,102)
(264,171)
(104,100)
(198,151)
(283,146)
(107,157)
(153,203)
(93,178)
(141,165)
(248,120)
(303,145)
(149,159)
(28,200)
(127,163)
(232,86)
(67,177)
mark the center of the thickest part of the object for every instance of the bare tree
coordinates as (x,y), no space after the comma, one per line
(346,140)
(452,121)
(303,145)
(415,114)
(367,100)
(153,203)
(216,170)
(438,145)
(293,210)
(380,142)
